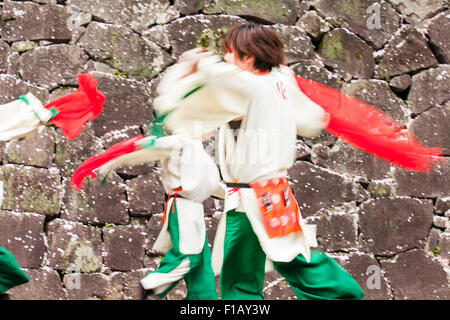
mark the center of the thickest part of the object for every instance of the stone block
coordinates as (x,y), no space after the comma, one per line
(22,234)
(74,246)
(31,189)
(131,241)
(391,226)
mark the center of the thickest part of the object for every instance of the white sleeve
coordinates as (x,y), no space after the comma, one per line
(215,94)
(310,118)
(20,118)
(192,169)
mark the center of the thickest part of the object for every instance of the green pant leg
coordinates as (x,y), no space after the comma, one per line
(322,278)
(195,280)
(242,274)
(200,281)
(11,275)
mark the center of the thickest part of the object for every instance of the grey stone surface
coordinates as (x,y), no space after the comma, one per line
(5,52)
(429,88)
(283,11)
(380,188)
(394,225)
(346,159)
(158,34)
(87,286)
(417,10)
(430,280)
(127,104)
(313,24)
(36,150)
(419,184)
(153,229)
(184,33)
(54,65)
(378,94)
(439,37)
(444,245)
(190,7)
(406,51)
(69,154)
(432,128)
(368,273)
(11,87)
(31,189)
(360,17)
(347,54)
(336,230)
(145,195)
(130,240)
(400,83)
(134,14)
(97,204)
(30,21)
(316,188)
(315,70)
(298,44)
(73,246)
(124,50)
(442,204)
(276,288)
(22,235)
(44,284)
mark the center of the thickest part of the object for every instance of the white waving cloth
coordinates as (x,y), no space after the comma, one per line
(21,117)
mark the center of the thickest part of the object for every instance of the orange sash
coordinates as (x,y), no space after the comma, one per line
(174,196)
(278,207)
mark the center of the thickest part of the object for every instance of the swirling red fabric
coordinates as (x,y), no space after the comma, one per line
(89,165)
(370,130)
(75,109)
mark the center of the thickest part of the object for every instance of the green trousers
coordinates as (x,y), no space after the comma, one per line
(199,277)
(11,274)
(243,269)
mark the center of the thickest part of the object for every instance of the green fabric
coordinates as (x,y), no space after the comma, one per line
(320,279)
(156,127)
(242,275)
(54,113)
(24,99)
(200,279)
(192,91)
(11,274)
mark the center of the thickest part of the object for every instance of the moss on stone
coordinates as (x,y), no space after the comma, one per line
(268,10)
(352,9)
(82,257)
(212,40)
(333,48)
(34,199)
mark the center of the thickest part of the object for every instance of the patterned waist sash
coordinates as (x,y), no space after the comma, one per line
(277,205)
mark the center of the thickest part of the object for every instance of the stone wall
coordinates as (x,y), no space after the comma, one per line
(389,228)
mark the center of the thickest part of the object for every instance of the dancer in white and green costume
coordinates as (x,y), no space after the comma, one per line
(11,275)
(190,176)
(264,96)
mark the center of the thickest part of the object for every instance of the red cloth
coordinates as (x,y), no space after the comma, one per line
(369,129)
(77,108)
(92,163)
